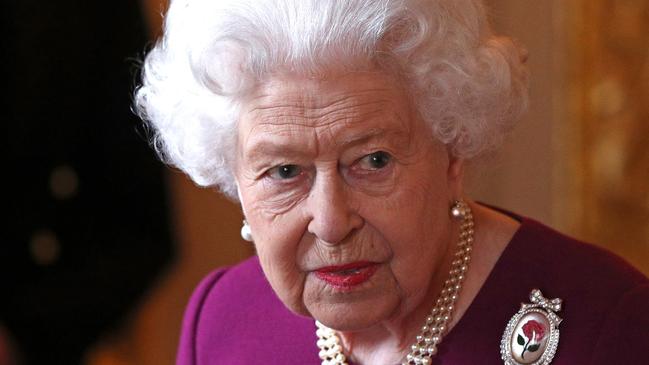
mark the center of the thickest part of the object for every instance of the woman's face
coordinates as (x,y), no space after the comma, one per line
(347,195)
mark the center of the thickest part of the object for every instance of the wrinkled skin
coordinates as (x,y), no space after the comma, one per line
(343,170)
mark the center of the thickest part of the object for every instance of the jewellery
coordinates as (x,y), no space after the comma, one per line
(532,332)
(431,333)
(246,233)
(458,209)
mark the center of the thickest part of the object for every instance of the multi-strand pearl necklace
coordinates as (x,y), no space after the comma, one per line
(431,333)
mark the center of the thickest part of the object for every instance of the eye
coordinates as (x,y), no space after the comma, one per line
(284,172)
(375,161)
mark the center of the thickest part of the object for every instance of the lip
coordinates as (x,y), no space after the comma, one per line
(347,276)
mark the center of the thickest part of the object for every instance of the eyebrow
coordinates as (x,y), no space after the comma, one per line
(266,148)
(363,137)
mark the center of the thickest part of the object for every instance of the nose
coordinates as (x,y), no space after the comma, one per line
(333,216)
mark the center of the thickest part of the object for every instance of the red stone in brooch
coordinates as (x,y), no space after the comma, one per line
(532,335)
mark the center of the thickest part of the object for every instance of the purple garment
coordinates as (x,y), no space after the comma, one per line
(234,316)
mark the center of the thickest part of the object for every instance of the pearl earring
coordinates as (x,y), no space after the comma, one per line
(459,209)
(246,233)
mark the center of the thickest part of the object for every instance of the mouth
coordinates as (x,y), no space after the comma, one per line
(348,276)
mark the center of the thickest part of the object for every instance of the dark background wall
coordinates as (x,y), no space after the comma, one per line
(85,228)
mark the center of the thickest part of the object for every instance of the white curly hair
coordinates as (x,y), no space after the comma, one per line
(467,83)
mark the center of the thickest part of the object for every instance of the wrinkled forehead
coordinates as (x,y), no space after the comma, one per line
(356,100)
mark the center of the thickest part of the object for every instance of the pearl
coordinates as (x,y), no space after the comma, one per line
(456,211)
(246,232)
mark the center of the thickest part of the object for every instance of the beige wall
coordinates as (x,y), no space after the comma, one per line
(520,176)
(580,158)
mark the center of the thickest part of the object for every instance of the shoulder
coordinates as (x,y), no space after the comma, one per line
(560,258)
(584,275)
(544,253)
(624,330)
(234,316)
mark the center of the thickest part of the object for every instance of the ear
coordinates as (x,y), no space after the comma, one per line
(455,175)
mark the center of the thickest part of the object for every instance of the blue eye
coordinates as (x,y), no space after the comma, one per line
(284,172)
(376,160)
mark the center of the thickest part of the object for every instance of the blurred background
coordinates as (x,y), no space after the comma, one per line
(105,244)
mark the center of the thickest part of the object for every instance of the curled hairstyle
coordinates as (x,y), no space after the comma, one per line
(469,85)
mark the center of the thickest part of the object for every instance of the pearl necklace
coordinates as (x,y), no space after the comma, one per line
(431,333)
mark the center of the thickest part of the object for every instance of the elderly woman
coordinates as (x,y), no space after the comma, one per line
(343,129)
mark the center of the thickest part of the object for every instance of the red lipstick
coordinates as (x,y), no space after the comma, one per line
(347,276)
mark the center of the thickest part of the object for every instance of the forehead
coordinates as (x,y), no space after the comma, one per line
(344,107)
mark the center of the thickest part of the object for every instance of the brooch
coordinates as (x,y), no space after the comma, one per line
(532,335)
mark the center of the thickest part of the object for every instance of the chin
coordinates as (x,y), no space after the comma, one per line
(355,315)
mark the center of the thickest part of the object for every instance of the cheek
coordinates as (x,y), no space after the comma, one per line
(414,222)
(412,214)
(277,241)
(277,229)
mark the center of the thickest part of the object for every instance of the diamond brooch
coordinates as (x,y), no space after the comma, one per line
(532,335)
